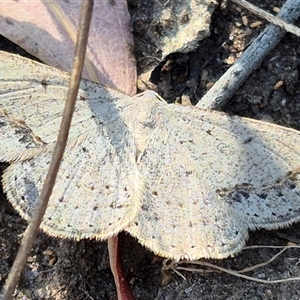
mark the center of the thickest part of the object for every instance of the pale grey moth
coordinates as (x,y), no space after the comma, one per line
(186,182)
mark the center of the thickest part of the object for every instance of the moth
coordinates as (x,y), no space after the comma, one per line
(185,182)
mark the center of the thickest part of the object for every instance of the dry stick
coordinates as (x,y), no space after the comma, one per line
(269,17)
(234,273)
(174,266)
(257,266)
(226,86)
(32,229)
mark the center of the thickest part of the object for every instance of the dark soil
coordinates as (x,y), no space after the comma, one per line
(80,270)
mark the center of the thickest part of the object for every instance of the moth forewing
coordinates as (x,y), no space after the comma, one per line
(98,181)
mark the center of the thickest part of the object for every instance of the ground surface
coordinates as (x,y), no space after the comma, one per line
(81,270)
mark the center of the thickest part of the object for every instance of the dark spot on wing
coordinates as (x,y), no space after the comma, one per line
(44,84)
(3,123)
(262,195)
(248,140)
(291,186)
(145,207)
(244,194)
(9,21)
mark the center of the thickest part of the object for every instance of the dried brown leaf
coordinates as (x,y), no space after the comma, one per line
(47,30)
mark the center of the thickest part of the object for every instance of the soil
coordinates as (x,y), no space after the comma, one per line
(80,270)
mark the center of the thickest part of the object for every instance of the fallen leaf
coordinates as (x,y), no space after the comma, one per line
(47,30)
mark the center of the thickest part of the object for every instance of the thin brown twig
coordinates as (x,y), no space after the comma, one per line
(238,273)
(33,227)
(269,17)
